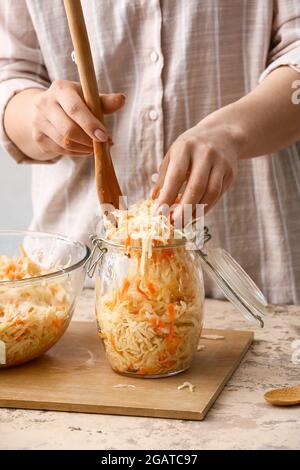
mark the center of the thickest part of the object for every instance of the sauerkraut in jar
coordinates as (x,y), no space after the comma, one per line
(149,296)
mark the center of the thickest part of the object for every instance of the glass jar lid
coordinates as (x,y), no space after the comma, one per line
(234,282)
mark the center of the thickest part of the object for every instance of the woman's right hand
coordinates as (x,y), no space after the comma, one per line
(62,124)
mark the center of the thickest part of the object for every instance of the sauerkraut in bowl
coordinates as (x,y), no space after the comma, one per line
(40,278)
(149,296)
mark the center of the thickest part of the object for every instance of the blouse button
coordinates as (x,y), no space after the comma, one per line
(153,56)
(153,115)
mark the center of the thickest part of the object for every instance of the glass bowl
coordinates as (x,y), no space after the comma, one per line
(35,311)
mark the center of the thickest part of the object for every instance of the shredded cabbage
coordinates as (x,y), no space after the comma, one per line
(151,322)
(141,226)
(188,385)
(32,317)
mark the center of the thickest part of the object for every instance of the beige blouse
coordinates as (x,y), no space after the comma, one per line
(177,61)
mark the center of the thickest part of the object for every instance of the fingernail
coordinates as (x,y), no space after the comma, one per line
(66,141)
(162,209)
(154,192)
(177,214)
(157,208)
(100,135)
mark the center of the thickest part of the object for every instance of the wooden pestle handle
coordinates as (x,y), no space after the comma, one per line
(107,185)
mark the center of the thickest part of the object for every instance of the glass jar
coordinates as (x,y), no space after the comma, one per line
(150,322)
(150,311)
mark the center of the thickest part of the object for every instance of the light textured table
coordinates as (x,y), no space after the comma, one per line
(240,419)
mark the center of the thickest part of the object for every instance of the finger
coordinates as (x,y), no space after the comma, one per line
(112,102)
(197,182)
(46,145)
(68,144)
(160,177)
(50,131)
(227,182)
(214,188)
(66,127)
(163,170)
(50,148)
(194,190)
(175,175)
(74,106)
(155,191)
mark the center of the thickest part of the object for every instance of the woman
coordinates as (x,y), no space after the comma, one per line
(208,85)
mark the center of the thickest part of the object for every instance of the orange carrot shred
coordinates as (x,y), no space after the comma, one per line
(18,322)
(138,288)
(125,288)
(154,322)
(152,288)
(169,363)
(128,244)
(167,254)
(56,322)
(147,370)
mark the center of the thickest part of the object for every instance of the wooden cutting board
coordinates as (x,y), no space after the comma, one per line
(75,376)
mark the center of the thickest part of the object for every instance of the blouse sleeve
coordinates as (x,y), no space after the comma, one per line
(285,41)
(21,63)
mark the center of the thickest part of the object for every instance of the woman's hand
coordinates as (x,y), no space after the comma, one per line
(47,123)
(62,123)
(205,158)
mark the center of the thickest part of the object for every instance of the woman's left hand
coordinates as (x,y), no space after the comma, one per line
(205,158)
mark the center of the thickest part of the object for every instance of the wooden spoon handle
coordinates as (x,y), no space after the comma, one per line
(107,185)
